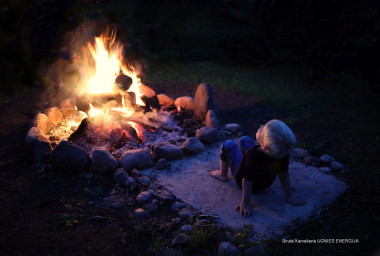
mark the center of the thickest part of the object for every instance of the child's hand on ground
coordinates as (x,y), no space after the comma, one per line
(216,174)
(295,200)
(245,210)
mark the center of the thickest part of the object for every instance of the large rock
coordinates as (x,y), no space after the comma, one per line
(203,100)
(164,196)
(228,249)
(167,151)
(211,119)
(42,149)
(207,134)
(165,100)
(42,122)
(185,102)
(69,157)
(103,162)
(32,135)
(192,146)
(144,197)
(136,158)
(55,116)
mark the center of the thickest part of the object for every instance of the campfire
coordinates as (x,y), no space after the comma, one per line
(112,110)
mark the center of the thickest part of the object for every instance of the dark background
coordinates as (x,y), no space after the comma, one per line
(324,36)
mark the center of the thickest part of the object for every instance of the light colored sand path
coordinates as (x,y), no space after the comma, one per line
(189,180)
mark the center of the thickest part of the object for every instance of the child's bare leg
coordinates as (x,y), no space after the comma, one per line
(222,173)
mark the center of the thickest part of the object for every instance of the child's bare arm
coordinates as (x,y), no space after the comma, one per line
(285,183)
(244,206)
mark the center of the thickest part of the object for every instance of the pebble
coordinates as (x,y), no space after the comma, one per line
(140,214)
(176,206)
(121,177)
(185,213)
(207,134)
(135,173)
(211,119)
(181,239)
(164,196)
(186,228)
(326,158)
(153,206)
(161,164)
(144,180)
(192,146)
(233,128)
(336,166)
(117,205)
(144,197)
(132,184)
(185,102)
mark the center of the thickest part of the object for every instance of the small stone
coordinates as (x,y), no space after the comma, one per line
(140,214)
(299,153)
(233,128)
(336,166)
(185,102)
(181,239)
(153,187)
(164,196)
(144,197)
(135,173)
(203,100)
(144,180)
(165,100)
(192,146)
(185,213)
(211,119)
(42,122)
(69,157)
(167,151)
(132,184)
(161,164)
(186,228)
(207,134)
(325,170)
(121,177)
(136,158)
(176,206)
(124,82)
(55,116)
(327,158)
(103,162)
(228,249)
(311,160)
(170,252)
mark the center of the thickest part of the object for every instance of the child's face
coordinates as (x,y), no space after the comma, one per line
(259,135)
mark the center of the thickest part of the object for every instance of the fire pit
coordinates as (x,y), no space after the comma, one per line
(111,115)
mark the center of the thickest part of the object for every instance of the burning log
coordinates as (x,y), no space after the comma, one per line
(131,131)
(151,102)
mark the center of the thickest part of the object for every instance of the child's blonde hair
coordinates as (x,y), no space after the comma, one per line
(277,139)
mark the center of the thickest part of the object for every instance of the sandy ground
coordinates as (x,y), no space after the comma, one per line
(189,179)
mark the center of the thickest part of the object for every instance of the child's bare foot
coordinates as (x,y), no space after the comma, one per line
(217,175)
